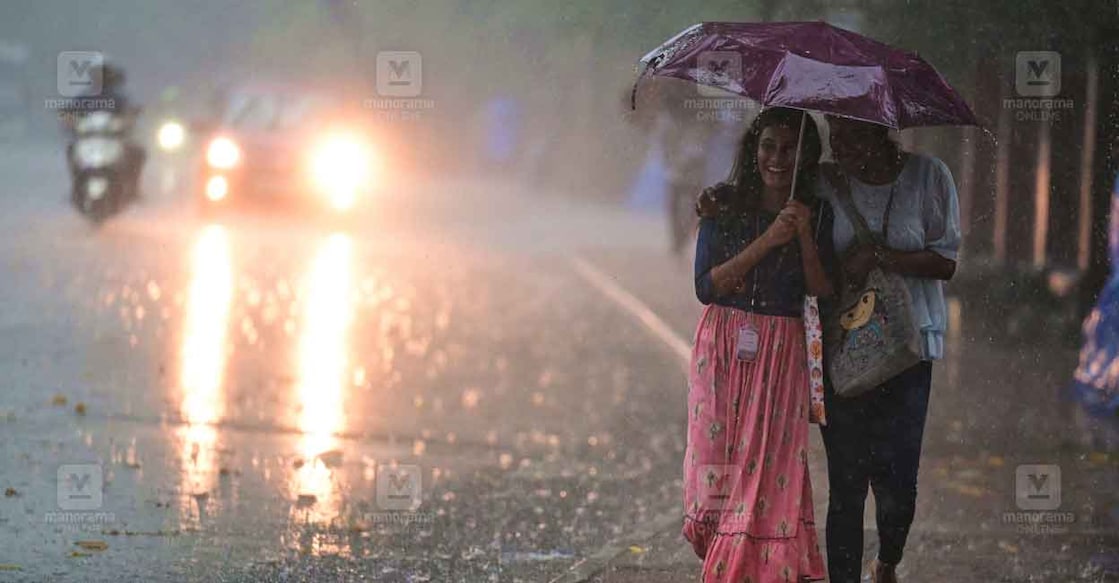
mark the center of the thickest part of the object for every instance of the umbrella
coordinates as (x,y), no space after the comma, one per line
(811,66)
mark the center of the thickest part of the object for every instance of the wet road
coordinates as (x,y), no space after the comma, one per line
(431,393)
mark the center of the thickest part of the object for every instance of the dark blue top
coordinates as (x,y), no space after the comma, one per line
(780,283)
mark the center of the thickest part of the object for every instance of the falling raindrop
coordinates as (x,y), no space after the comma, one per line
(470,398)
(154,293)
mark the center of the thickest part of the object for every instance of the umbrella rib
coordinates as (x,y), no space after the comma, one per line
(898,111)
(647,61)
(665,45)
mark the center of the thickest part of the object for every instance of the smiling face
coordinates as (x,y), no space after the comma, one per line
(777,147)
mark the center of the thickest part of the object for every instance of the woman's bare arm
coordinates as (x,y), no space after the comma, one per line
(925,264)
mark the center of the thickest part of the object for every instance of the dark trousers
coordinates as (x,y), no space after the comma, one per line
(874,439)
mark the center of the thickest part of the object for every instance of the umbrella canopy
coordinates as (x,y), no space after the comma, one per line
(812,66)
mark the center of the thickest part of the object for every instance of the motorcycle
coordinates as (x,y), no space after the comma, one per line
(105,176)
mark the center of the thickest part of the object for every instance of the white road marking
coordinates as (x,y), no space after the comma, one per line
(628,302)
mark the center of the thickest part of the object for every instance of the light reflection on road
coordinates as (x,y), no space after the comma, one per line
(323,356)
(203,360)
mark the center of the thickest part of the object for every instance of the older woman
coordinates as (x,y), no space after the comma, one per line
(874,439)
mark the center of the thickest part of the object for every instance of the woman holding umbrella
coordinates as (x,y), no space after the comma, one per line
(748,497)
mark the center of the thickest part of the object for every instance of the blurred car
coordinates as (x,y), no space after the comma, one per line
(282,145)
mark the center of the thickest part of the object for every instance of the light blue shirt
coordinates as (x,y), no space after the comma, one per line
(925,215)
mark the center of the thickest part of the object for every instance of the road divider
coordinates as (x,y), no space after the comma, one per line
(636,308)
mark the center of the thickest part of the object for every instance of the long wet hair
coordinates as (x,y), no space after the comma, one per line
(746,180)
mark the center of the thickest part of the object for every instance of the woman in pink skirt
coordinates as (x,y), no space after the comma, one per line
(747,494)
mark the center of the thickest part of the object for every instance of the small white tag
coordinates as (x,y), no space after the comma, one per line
(747,347)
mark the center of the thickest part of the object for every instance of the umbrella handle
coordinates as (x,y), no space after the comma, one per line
(796,164)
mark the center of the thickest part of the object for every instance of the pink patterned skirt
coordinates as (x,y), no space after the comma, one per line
(747,494)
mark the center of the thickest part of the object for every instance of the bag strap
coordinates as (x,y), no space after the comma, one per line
(886,214)
(842,186)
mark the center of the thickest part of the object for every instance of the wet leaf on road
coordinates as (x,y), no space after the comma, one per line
(115,532)
(59,400)
(1099,458)
(79,408)
(93,545)
(967,489)
(969,474)
(10,493)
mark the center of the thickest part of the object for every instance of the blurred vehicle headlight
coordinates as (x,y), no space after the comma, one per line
(223,153)
(98,152)
(341,165)
(217,187)
(171,136)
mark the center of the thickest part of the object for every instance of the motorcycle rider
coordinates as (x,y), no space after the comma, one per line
(112,98)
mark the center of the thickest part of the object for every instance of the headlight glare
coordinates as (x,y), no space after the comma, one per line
(223,153)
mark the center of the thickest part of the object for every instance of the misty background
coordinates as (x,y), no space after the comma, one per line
(565,72)
(570,64)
